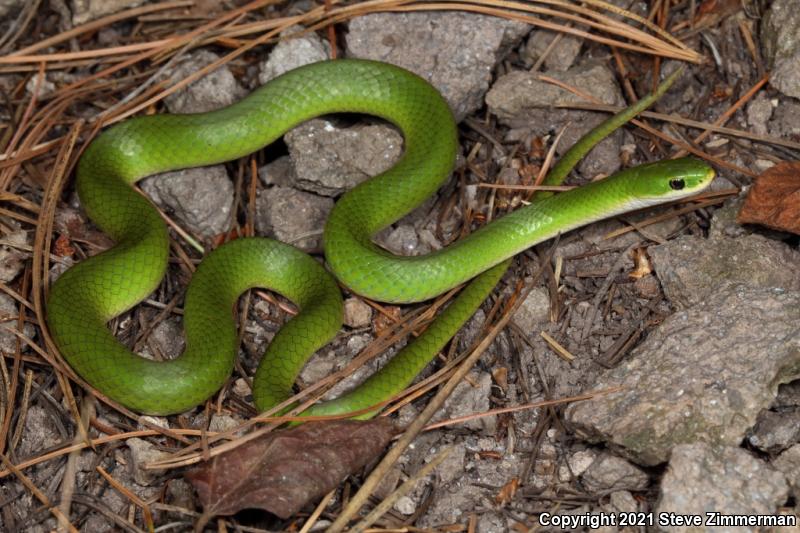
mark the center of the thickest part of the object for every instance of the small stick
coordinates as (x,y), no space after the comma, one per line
(557,347)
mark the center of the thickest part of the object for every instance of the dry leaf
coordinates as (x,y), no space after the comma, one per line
(284,470)
(642,262)
(507,493)
(774,199)
(63,248)
(500,375)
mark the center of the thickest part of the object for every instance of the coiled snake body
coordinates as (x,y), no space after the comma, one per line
(90,294)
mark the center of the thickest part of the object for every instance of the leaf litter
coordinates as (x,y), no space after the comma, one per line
(282,471)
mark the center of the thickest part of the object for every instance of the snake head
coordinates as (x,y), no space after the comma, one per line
(670,180)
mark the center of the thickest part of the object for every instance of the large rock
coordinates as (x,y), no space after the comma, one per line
(329,159)
(523,102)
(216,89)
(294,217)
(454,50)
(703,375)
(294,50)
(201,199)
(780,39)
(702,478)
(691,268)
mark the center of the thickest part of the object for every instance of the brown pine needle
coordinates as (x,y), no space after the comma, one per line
(558,348)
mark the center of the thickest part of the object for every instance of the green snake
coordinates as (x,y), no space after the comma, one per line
(88,295)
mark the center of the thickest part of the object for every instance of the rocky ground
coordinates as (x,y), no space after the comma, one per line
(691,318)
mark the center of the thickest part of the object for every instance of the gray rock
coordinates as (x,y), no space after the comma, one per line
(534,310)
(521,101)
(222,423)
(147,421)
(609,473)
(278,172)
(560,58)
(519,92)
(199,198)
(402,240)
(759,111)
(405,505)
(788,463)
(356,343)
(294,217)
(703,375)
(143,452)
(691,268)
(469,397)
(702,478)
(621,501)
(357,314)
(389,482)
(167,338)
(776,430)
(785,120)
(86,10)
(215,90)
(780,36)
(293,52)
(452,468)
(453,50)
(329,160)
(241,387)
(449,507)
(12,258)
(579,462)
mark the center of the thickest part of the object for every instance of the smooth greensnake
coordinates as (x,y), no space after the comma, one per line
(88,295)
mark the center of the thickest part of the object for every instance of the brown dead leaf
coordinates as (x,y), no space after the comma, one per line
(500,375)
(63,248)
(642,262)
(284,470)
(774,199)
(221,238)
(507,493)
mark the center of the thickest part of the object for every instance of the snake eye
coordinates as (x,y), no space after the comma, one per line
(676,184)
